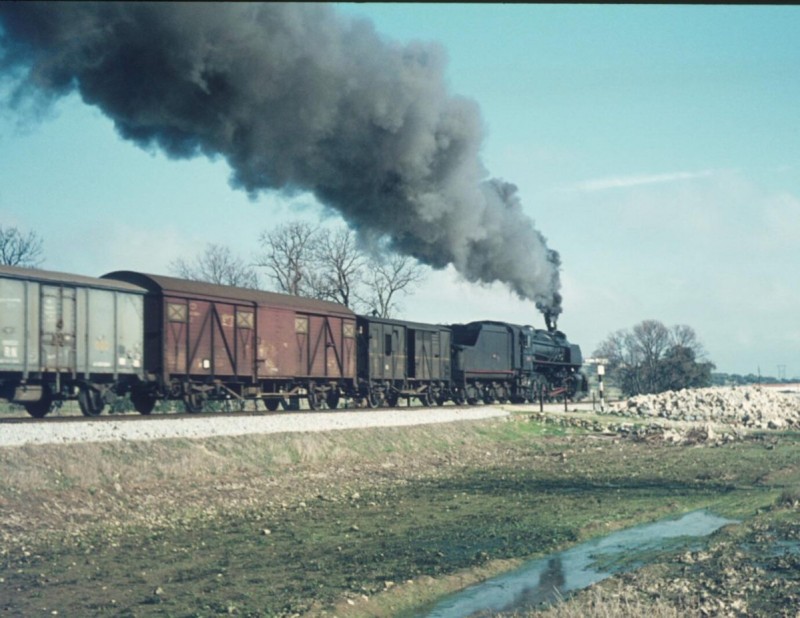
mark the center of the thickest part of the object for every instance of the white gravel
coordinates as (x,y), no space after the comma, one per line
(209,426)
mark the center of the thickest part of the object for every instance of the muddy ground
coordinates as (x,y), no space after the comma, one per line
(380,522)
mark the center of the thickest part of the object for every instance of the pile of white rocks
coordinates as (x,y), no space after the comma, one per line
(751,407)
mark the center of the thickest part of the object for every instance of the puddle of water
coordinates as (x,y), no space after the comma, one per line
(546,579)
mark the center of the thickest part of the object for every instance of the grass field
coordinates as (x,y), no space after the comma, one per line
(364,522)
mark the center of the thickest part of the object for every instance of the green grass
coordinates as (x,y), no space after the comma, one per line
(283,525)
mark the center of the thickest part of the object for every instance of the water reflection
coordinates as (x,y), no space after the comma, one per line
(544,580)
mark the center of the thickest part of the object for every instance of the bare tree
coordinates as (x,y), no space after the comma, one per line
(388,277)
(651,358)
(20,249)
(339,265)
(217,264)
(685,336)
(288,255)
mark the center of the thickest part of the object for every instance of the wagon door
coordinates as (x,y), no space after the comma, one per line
(58,328)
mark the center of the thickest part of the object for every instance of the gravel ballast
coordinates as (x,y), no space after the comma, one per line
(209,426)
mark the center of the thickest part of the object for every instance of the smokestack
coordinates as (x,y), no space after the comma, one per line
(294,96)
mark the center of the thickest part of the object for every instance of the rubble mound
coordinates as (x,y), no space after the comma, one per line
(751,407)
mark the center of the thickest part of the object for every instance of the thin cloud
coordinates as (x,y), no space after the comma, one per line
(617,182)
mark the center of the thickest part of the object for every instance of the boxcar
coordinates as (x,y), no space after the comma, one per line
(206,341)
(66,336)
(402,359)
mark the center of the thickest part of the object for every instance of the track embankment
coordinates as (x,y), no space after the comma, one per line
(185,426)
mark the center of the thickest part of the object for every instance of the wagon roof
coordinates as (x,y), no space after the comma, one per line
(415,325)
(54,277)
(162,284)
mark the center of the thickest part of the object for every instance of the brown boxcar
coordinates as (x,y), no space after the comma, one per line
(206,341)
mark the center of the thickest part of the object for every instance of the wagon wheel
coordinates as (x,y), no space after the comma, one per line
(39,409)
(426,398)
(90,401)
(313,399)
(193,402)
(143,400)
(441,399)
(392,398)
(489,396)
(272,404)
(372,399)
(332,398)
(472,395)
(458,397)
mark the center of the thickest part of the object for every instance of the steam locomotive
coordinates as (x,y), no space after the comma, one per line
(154,338)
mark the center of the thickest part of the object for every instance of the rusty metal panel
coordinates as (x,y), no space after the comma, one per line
(277,351)
(291,337)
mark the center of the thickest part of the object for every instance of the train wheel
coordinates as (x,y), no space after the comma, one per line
(332,398)
(91,401)
(502,394)
(193,402)
(40,409)
(392,398)
(458,398)
(143,401)
(427,399)
(272,404)
(313,399)
(372,399)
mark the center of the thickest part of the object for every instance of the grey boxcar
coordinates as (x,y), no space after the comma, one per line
(65,336)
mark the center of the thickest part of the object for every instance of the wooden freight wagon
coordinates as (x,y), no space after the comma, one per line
(403,359)
(206,341)
(66,336)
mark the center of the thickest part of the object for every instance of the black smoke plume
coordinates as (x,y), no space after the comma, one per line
(294,97)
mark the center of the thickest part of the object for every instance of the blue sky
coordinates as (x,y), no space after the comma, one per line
(657,148)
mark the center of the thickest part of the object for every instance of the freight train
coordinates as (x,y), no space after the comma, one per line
(154,338)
